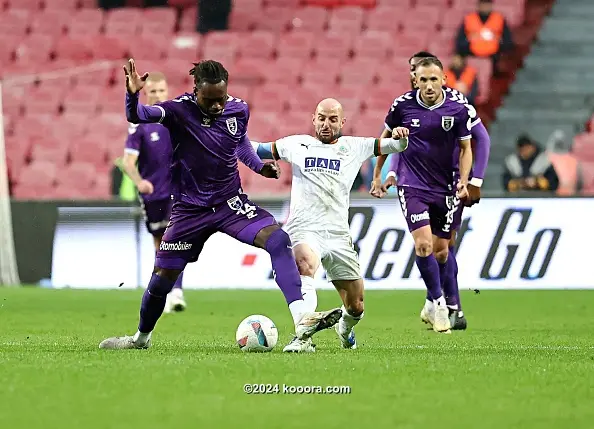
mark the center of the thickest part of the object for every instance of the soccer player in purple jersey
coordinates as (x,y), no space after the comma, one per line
(480,149)
(437,127)
(147,161)
(209,129)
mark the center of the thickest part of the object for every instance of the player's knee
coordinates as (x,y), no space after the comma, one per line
(441,255)
(305,266)
(452,242)
(166,273)
(423,247)
(278,241)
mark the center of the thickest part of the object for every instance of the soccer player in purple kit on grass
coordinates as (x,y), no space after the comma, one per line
(480,149)
(436,126)
(147,161)
(209,129)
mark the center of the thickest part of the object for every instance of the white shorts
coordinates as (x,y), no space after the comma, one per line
(335,251)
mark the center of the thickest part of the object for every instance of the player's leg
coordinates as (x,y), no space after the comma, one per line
(457,318)
(307,258)
(250,224)
(343,270)
(182,243)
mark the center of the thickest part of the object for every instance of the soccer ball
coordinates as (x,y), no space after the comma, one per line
(256,333)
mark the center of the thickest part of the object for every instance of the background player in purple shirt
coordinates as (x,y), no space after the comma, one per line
(480,151)
(147,161)
(209,129)
(436,126)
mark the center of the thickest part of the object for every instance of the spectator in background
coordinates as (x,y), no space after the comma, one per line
(463,77)
(484,34)
(213,15)
(529,169)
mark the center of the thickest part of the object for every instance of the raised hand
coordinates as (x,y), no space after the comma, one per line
(462,192)
(390,182)
(134,82)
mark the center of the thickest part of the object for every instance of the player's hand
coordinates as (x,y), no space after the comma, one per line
(400,132)
(271,170)
(474,195)
(145,187)
(462,192)
(134,82)
(390,182)
(376,189)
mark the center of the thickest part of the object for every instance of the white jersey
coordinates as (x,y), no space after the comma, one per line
(323,175)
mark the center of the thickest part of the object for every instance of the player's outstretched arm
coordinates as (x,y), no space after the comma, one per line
(246,153)
(137,113)
(264,150)
(376,183)
(131,170)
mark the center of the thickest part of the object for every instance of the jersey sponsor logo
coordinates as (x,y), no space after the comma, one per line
(180,245)
(322,165)
(414,218)
(232,125)
(206,121)
(447,122)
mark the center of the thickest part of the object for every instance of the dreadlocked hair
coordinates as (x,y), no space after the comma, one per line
(209,71)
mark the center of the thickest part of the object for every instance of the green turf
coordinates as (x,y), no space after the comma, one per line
(526,362)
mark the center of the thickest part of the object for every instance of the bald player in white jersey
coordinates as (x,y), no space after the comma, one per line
(324,169)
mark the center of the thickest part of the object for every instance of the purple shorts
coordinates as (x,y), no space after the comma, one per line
(156,215)
(422,208)
(190,226)
(457,218)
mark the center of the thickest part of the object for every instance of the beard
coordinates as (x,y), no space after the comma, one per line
(327,140)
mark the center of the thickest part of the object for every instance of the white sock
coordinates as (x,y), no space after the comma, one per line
(440,301)
(347,321)
(461,313)
(429,304)
(141,338)
(308,290)
(298,309)
(453,307)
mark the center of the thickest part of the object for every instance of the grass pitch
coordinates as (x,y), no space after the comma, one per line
(526,362)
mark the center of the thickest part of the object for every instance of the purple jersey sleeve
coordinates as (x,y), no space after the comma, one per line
(248,156)
(137,113)
(134,139)
(394,160)
(464,122)
(393,118)
(482,149)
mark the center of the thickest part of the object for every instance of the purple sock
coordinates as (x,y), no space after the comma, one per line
(448,282)
(284,267)
(451,288)
(153,302)
(178,282)
(429,269)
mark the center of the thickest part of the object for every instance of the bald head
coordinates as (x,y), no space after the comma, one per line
(328,120)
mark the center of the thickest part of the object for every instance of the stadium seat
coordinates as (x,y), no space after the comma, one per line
(72,125)
(57,154)
(324,3)
(12,103)
(68,5)
(296,45)
(334,45)
(123,21)
(374,45)
(240,19)
(14,23)
(85,22)
(77,175)
(181,3)
(275,19)
(147,47)
(387,18)
(361,3)
(185,46)
(82,100)
(108,47)
(324,79)
(221,46)
(40,175)
(423,17)
(284,3)
(311,19)
(566,167)
(271,97)
(262,129)
(248,71)
(188,21)
(50,22)
(158,22)
(239,90)
(73,48)
(35,48)
(31,5)
(284,70)
(258,44)
(346,19)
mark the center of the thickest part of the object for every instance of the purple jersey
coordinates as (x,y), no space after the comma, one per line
(204,171)
(152,145)
(435,132)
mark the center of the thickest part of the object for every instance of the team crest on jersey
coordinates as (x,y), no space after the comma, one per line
(232,125)
(155,136)
(447,122)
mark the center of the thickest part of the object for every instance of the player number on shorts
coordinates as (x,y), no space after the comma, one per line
(248,210)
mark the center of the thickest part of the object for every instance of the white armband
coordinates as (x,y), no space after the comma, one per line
(390,145)
(475,181)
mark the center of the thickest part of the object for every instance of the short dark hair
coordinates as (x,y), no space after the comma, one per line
(422,54)
(430,61)
(209,71)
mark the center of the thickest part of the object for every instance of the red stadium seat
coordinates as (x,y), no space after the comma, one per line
(361,3)
(77,175)
(380,98)
(324,3)
(374,45)
(85,22)
(261,129)
(346,19)
(36,48)
(158,22)
(309,97)
(387,18)
(239,90)
(69,47)
(14,23)
(296,45)
(12,103)
(31,5)
(40,175)
(123,21)
(275,19)
(153,48)
(71,125)
(272,98)
(50,22)
(102,188)
(68,5)
(423,17)
(176,71)
(189,19)
(258,44)
(248,71)
(185,46)
(106,47)
(182,3)
(312,19)
(284,70)
(283,3)
(241,19)
(221,46)
(57,154)
(334,45)
(82,100)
